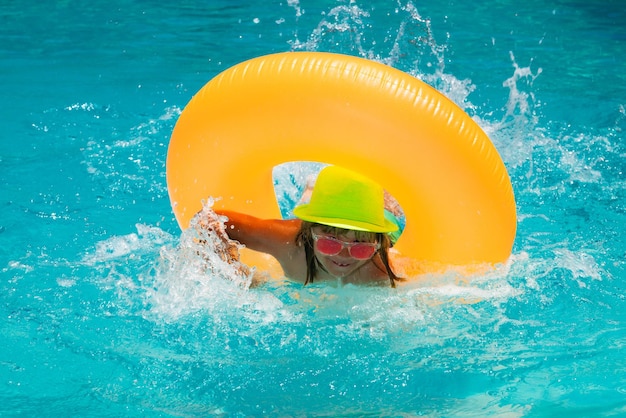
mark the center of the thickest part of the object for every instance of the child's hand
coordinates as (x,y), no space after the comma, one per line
(213,233)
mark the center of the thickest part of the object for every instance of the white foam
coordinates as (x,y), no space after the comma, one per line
(145,239)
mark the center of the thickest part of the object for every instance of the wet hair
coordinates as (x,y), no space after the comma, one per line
(305,238)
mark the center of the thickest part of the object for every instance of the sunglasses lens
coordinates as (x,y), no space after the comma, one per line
(328,246)
(362,251)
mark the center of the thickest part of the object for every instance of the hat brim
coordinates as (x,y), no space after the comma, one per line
(301,212)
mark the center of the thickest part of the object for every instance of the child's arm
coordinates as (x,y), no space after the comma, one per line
(272,236)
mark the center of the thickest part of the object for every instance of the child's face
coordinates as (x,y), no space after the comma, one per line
(341,264)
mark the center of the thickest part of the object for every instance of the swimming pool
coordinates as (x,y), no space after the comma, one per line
(107,312)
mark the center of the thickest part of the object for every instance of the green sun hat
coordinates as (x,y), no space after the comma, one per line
(344,199)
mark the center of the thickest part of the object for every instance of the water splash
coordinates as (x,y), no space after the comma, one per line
(521,102)
(621,118)
(122,161)
(343,27)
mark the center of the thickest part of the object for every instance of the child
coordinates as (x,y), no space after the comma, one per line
(342,233)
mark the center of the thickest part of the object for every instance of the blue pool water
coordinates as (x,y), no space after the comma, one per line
(106,309)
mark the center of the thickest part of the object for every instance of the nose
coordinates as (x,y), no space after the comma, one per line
(345,252)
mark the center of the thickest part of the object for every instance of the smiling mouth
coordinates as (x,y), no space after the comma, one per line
(340,264)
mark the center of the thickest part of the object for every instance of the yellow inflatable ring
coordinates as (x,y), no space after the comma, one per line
(362,115)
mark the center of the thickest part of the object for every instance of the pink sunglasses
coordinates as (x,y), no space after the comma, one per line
(333,246)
